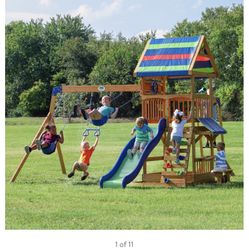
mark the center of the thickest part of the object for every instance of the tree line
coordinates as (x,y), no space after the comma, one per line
(65,50)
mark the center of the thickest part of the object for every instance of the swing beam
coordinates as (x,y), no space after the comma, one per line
(49,117)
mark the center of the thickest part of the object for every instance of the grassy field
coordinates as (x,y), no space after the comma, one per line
(43,198)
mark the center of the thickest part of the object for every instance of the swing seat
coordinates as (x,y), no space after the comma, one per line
(101,121)
(50,149)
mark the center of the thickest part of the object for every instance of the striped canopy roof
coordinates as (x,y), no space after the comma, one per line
(174,56)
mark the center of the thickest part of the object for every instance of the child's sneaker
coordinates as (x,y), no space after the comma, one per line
(129,154)
(27,149)
(70,174)
(38,144)
(174,150)
(177,161)
(84,177)
(84,114)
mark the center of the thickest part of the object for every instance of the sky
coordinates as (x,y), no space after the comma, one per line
(130,17)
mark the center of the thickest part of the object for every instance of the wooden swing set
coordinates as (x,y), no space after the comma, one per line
(163,60)
(49,118)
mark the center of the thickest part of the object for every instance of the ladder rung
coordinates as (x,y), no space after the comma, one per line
(185,150)
(180,165)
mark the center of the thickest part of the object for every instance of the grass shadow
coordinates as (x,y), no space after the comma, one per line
(228,185)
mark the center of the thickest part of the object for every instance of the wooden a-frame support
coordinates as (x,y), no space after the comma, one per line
(46,120)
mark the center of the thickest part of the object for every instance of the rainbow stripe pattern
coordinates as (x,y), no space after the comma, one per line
(172,57)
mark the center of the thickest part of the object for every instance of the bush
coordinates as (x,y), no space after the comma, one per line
(35,100)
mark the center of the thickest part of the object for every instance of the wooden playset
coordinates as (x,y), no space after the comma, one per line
(162,61)
(187,59)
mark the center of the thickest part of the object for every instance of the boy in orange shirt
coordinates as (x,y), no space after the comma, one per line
(84,161)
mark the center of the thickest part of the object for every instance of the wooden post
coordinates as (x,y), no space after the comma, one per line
(210,96)
(221,124)
(193,121)
(212,151)
(58,147)
(145,168)
(63,168)
(25,157)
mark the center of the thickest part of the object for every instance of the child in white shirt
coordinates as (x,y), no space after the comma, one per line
(177,131)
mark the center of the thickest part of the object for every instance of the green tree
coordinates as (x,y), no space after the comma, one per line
(35,100)
(116,66)
(223,28)
(26,59)
(76,59)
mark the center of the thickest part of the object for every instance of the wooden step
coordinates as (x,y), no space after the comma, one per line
(172,174)
(178,166)
(173,158)
(184,150)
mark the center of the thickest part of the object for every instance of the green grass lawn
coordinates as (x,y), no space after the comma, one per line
(43,198)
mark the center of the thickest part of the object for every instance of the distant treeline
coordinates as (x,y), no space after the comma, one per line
(64,50)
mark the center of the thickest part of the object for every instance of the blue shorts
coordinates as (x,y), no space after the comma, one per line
(177,139)
(140,145)
(50,149)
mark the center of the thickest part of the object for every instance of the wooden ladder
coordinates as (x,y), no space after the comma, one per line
(185,148)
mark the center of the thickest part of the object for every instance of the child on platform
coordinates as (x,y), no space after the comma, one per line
(177,132)
(84,161)
(47,141)
(220,159)
(142,136)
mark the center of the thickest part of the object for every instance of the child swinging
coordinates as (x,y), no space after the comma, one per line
(47,142)
(100,116)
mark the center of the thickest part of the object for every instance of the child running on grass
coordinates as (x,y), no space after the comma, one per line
(47,141)
(84,161)
(142,136)
(177,132)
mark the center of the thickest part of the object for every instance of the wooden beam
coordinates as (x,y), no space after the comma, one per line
(193,121)
(210,97)
(154,158)
(145,168)
(63,168)
(196,54)
(211,58)
(94,88)
(58,147)
(141,57)
(206,75)
(155,96)
(52,105)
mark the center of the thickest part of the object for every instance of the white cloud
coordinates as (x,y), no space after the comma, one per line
(45,2)
(197,4)
(106,10)
(25,16)
(159,32)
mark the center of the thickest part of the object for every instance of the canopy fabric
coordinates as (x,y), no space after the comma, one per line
(171,57)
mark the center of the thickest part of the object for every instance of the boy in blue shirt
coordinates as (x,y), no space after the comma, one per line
(220,159)
(142,136)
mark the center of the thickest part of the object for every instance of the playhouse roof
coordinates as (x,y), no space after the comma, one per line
(182,56)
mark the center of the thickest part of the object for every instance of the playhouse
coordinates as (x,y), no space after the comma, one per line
(185,59)
(163,60)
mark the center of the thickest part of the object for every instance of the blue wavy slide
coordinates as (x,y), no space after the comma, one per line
(125,169)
